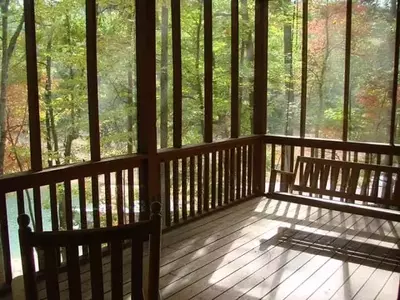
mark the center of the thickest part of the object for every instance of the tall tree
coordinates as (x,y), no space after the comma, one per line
(8,46)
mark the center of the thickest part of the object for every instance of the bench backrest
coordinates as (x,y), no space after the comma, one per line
(348,180)
(51,242)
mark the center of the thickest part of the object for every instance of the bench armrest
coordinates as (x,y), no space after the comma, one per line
(272,181)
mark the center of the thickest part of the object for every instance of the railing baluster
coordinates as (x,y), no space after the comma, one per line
(192,185)
(226,176)
(199,184)
(120,195)
(175,189)
(95,201)
(167,194)
(53,207)
(250,154)
(206,182)
(220,176)
(107,191)
(37,204)
(131,196)
(244,171)
(68,204)
(238,171)
(184,188)
(232,171)
(213,178)
(82,207)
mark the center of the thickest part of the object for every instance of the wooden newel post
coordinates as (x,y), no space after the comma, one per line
(155,246)
(28,262)
(260,95)
(149,172)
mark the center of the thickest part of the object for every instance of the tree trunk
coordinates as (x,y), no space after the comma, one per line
(248,48)
(288,54)
(7,52)
(47,99)
(164,78)
(321,83)
(164,98)
(130,117)
(3,83)
(288,59)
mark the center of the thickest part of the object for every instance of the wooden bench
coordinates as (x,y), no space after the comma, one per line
(121,284)
(359,188)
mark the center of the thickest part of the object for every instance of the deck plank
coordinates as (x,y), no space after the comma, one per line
(391,287)
(289,285)
(229,282)
(273,277)
(270,249)
(329,288)
(252,253)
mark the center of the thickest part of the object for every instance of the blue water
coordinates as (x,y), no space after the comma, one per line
(12,214)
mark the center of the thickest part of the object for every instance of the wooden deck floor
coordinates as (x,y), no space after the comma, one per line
(268,249)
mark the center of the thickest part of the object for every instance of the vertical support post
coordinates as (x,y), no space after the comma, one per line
(91,60)
(146,103)
(32,82)
(177,72)
(304,74)
(208,73)
(395,78)
(260,94)
(235,119)
(33,105)
(346,95)
(93,99)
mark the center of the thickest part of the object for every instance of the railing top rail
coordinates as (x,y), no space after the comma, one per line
(186,151)
(30,179)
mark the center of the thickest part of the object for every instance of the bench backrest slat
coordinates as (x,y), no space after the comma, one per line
(348,180)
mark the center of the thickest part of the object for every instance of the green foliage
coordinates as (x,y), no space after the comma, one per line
(62,62)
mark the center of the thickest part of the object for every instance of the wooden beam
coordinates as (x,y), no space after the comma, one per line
(32,82)
(346,95)
(235,115)
(177,72)
(91,60)
(146,103)
(260,93)
(395,77)
(304,66)
(208,73)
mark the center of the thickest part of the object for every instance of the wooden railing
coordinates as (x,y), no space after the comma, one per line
(199,179)
(196,180)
